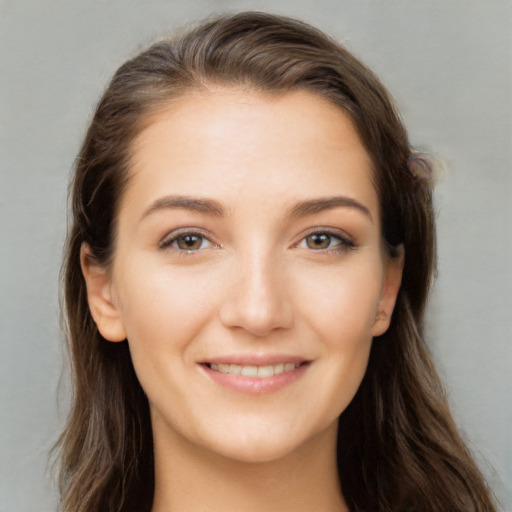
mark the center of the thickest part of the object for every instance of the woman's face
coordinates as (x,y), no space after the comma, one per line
(249,273)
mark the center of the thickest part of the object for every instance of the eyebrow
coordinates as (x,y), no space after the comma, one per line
(313,206)
(216,209)
(195,204)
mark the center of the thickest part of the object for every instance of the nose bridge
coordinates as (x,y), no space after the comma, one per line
(258,301)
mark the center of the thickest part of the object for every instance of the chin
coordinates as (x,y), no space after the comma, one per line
(270,444)
(255,452)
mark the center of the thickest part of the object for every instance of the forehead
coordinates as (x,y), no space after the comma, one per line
(237,144)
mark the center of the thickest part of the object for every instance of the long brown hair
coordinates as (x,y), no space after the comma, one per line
(398,448)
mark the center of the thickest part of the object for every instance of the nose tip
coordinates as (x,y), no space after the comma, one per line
(258,303)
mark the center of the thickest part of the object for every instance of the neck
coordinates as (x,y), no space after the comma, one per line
(190,479)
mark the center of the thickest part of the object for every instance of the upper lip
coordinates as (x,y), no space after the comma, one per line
(255,359)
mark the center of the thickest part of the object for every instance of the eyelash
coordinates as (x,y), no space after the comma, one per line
(344,242)
(171,240)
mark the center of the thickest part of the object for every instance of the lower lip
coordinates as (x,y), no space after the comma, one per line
(254,385)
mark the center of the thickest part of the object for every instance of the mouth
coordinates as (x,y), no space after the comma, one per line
(251,371)
(255,378)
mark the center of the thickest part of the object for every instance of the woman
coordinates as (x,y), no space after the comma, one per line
(245,283)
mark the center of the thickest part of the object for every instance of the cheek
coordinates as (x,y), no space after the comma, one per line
(340,308)
(342,302)
(343,318)
(164,311)
(162,308)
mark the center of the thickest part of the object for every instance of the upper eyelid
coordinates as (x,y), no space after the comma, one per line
(174,234)
(321,230)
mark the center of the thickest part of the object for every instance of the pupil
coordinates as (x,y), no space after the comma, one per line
(190,241)
(319,241)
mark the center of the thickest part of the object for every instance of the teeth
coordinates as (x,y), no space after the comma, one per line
(249,371)
(260,372)
(234,369)
(224,368)
(265,371)
(278,368)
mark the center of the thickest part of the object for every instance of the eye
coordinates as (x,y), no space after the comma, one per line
(326,241)
(186,241)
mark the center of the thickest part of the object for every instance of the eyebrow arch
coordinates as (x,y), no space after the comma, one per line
(196,204)
(313,206)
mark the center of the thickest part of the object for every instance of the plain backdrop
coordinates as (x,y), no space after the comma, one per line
(448,65)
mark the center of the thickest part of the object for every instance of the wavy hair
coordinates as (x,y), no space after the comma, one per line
(398,447)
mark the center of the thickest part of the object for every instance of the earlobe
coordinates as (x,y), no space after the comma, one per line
(103,308)
(390,289)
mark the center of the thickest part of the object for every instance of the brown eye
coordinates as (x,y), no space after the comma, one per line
(327,241)
(186,242)
(190,242)
(320,241)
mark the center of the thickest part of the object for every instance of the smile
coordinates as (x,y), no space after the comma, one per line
(254,378)
(260,372)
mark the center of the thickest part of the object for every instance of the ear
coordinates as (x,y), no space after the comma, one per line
(101,301)
(394,266)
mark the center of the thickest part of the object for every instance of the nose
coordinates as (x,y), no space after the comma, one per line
(258,300)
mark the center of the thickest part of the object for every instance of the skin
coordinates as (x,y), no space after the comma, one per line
(255,282)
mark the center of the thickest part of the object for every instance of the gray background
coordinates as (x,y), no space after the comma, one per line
(448,64)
